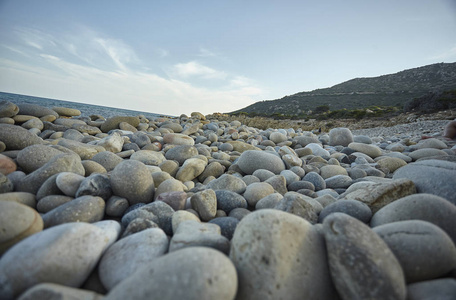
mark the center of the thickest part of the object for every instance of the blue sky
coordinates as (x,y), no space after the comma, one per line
(174,57)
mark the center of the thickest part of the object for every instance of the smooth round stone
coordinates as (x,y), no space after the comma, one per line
(68,122)
(118,263)
(263,174)
(163,215)
(431,143)
(424,250)
(250,161)
(85,151)
(48,203)
(170,185)
(8,109)
(92,167)
(57,291)
(192,168)
(7,165)
(391,163)
(132,180)
(226,147)
(176,199)
(65,111)
(148,157)
(275,263)
(353,208)
(296,204)
(59,163)
(33,123)
(34,157)
(83,209)
(443,289)
(116,206)
(35,110)
(228,200)
(176,127)
(181,216)
(338,182)
(426,152)
(113,123)
(305,140)
(241,147)
(431,176)
(69,183)
(317,150)
(214,169)
(277,137)
(270,201)
(227,225)
(51,256)
(349,243)
(7,121)
(17,138)
(361,139)
(332,170)
(257,191)
(249,179)
(290,176)
(113,142)
(292,160)
(180,153)
(19,197)
(138,225)
(325,200)
(127,127)
(278,183)
(228,182)
(425,207)
(194,233)
(205,203)
(299,185)
(239,213)
(396,147)
(17,222)
(370,150)
(190,273)
(178,139)
(340,136)
(317,181)
(303,151)
(23,118)
(107,159)
(95,185)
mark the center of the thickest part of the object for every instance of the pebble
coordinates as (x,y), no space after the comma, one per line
(190,273)
(250,161)
(34,157)
(107,160)
(117,263)
(8,109)
(228,182)
(48,203)
(113,123)
(17,138)
(69,182)
(227,225)
(205,203)
(340,136)
(362,265)
(57,291)
(94,185)
(55,250)
(7,165)
(353,208)
(257,191)
(35,110)
(443,289)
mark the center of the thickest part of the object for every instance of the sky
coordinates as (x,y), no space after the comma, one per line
(174,57)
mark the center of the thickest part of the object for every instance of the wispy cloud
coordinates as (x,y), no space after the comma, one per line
(194,68)
(89,67)
(203,52)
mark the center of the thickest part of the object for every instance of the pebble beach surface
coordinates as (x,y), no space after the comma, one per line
(195,208)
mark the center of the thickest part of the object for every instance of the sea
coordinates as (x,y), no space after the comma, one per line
(86,109)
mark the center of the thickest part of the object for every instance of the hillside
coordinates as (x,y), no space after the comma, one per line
(386,90)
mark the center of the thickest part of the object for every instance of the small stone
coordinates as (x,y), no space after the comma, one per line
(370,150)
(17,138)
(295,203)
(163,215)
(424,250)
(34,157)
(431,143)
(362,266)
(112,143)
(181,153)
(426,152)
(83,209)
(270,201)
(277,137)
(57,291)
(85,151)
(35,110)
(263,174)
(176,199)
(146,246)
(69,183)
(17,222)
(340,136)
(192,233)
(354,208)
(205,203)
(391,163)
(250,161)
(33,123)
(228,200)
(338,181)
(332,170)
(177,139)
(227,225)
(443,289)
(257,191)
(48,203)
(107,159)
(20,197)
(317,150)
(228,182)
(7,165)
(113,123)
(317,181)
(192,168)
(8,109)
(132,180)
(138,225)
(95,185)
(92,167)
(278,183)
(116,206)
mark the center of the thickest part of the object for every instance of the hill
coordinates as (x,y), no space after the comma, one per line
(386,90)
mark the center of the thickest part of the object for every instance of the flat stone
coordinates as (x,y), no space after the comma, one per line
(378,195)
(426,152)
(35,110)
(33,123)
(241,146)
(17,222)
(431,143)
(66,111)
(60,163)
(431,176)
(190,273)
(113,123)
(362,266)
(271,250)
(425,207)
(83,209)
(20,197)
(148,157)
(193,233)
(17,138)
(54,249)
(250,161)
(391,163)
(132,180)
(423,249)
(178,139)
(129,254)
(370,150)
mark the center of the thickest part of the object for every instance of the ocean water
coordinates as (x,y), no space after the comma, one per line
(86,109)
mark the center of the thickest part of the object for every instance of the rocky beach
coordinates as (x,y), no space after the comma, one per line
(195,207)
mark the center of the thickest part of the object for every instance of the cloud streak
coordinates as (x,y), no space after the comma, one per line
(90,68)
